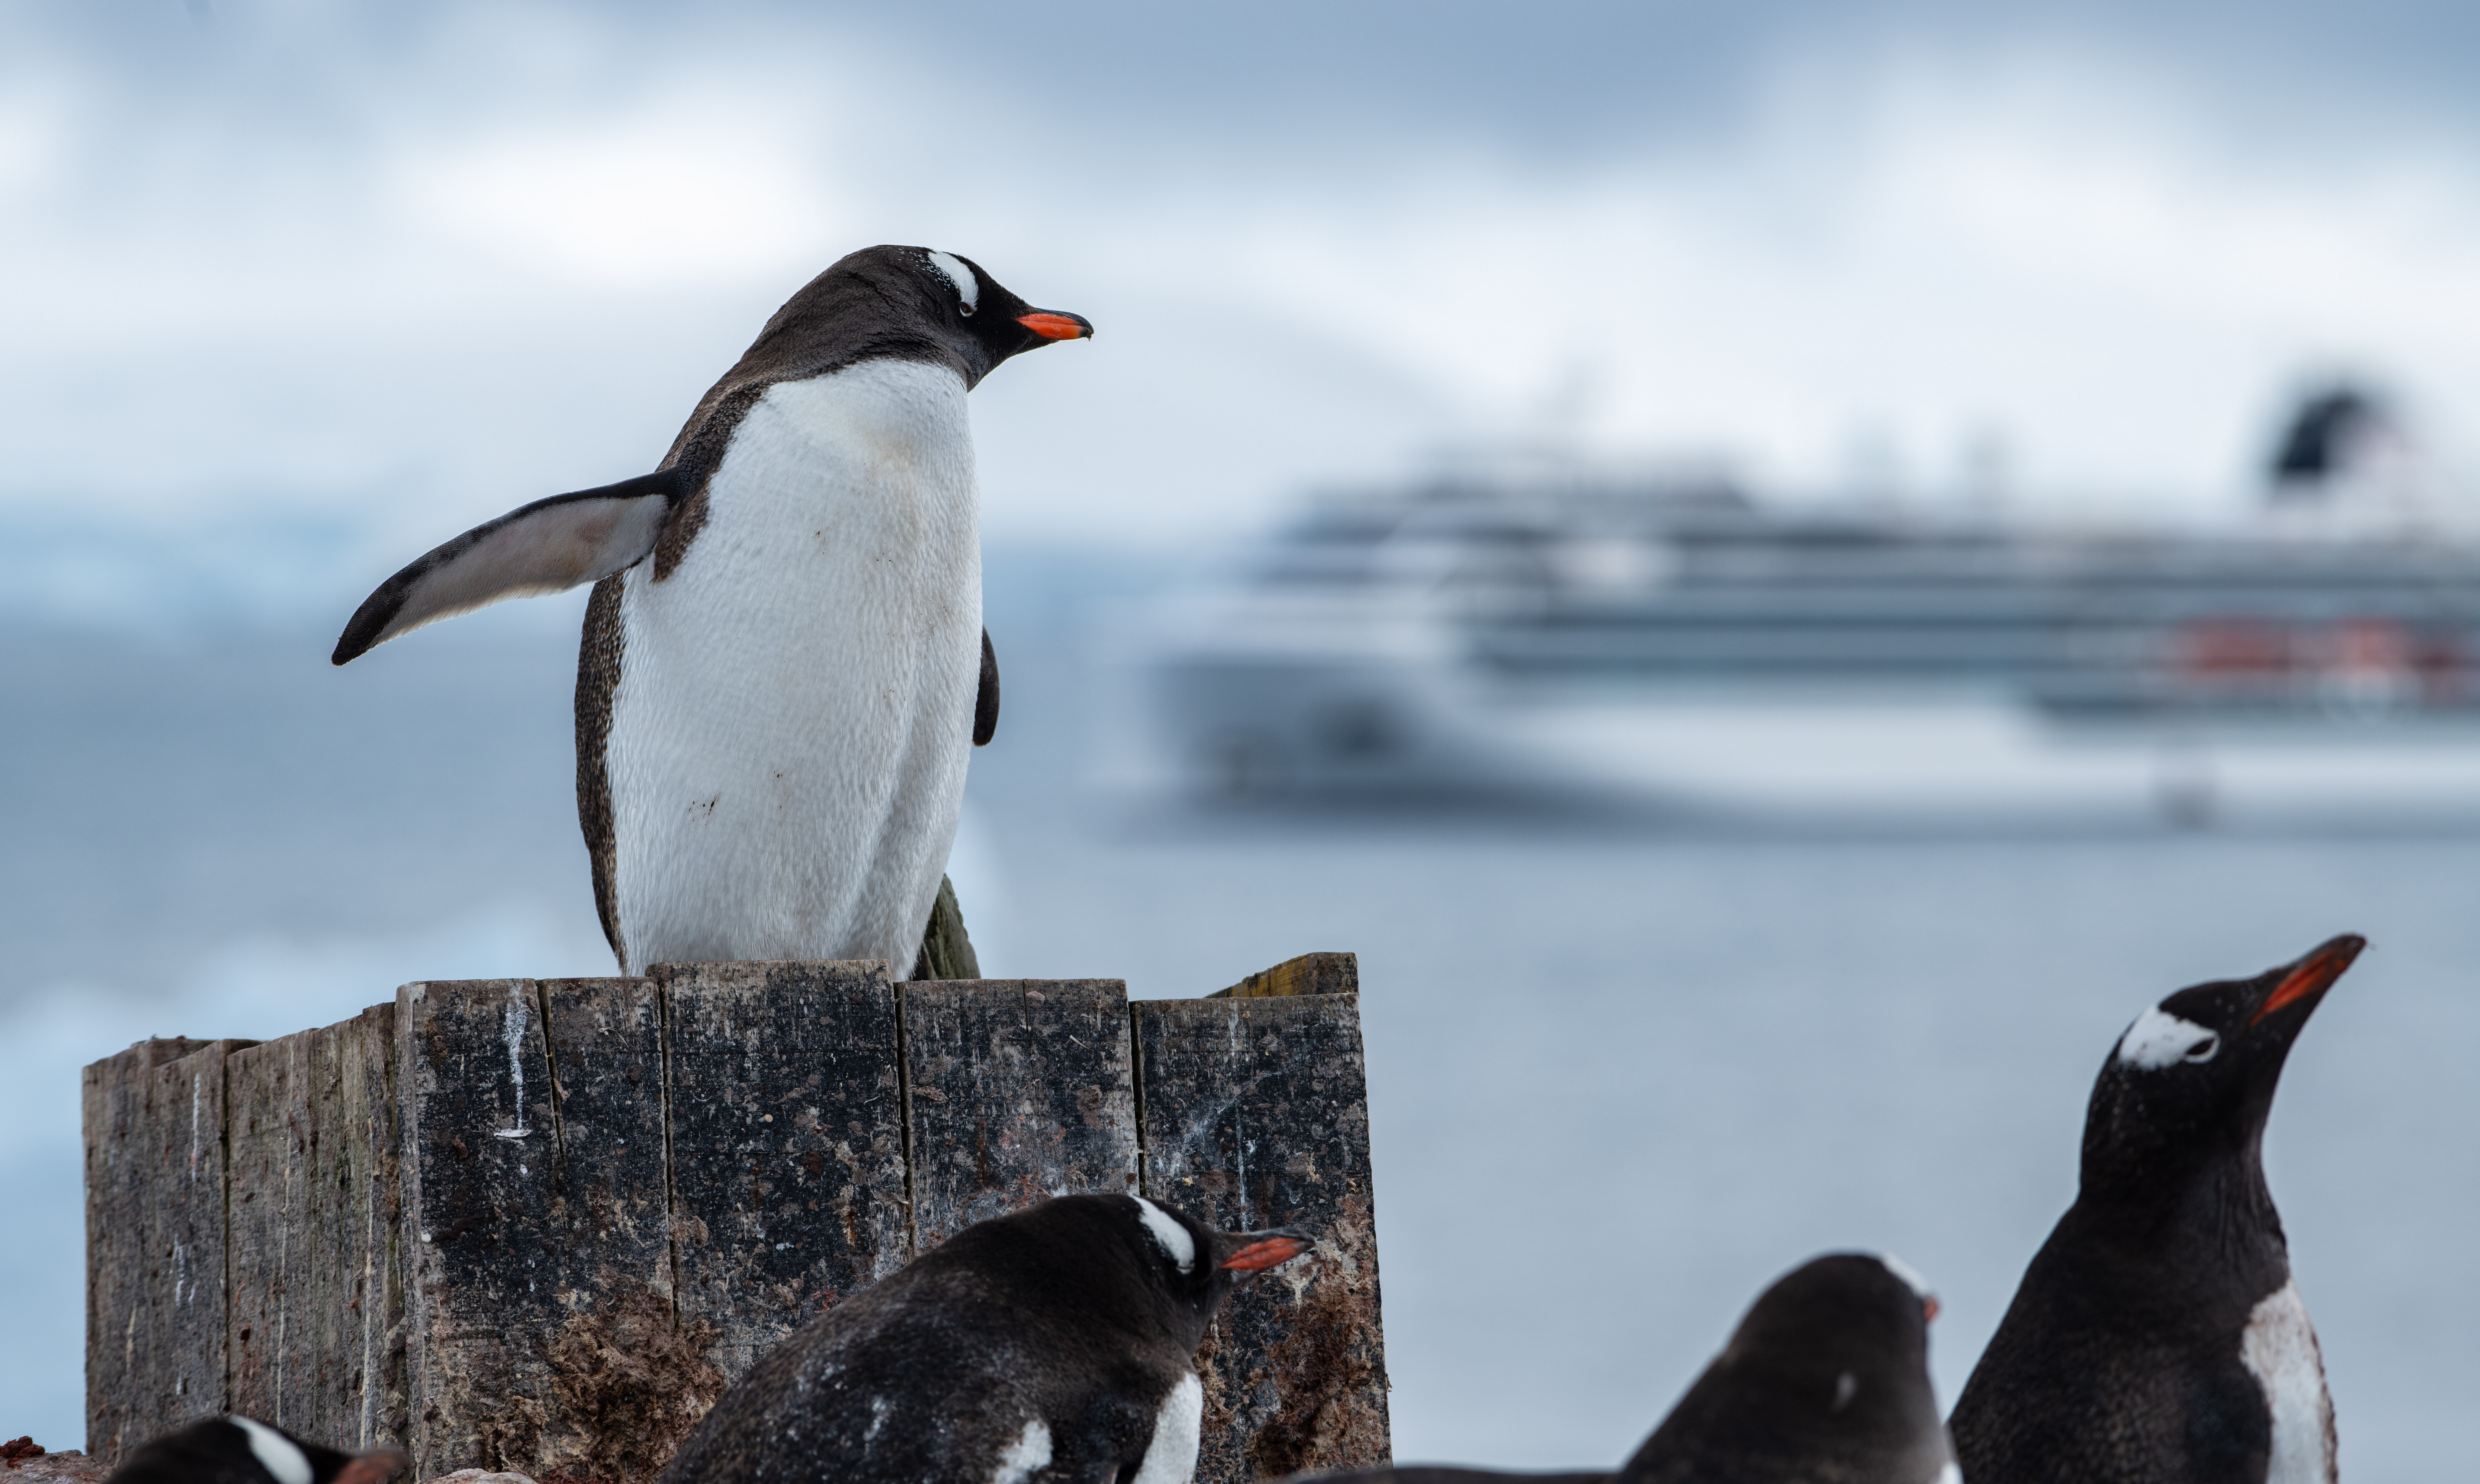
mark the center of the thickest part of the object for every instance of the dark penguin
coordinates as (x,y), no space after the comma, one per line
(1825,1381)
(784,670)
(241,1451)
(2156,1336)
(1053,1344)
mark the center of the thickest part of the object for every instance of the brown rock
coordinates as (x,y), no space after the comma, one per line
(69,1468)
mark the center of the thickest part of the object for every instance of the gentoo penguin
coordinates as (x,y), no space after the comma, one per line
(243,1450)
(1054,1342)
(784,668)
(1825,1381)
(2156,1335)
(1827,1378)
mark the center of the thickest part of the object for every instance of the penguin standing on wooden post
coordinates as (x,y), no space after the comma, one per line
(783,669)
(2156,1335)
(1054,1344)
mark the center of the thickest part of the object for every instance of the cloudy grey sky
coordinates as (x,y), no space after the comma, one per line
(393,272)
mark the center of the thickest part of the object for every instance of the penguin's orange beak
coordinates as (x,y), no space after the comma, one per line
(1057,326)
(1270,1250)
(2312,976)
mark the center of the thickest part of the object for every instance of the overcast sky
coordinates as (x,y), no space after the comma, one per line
(399,269)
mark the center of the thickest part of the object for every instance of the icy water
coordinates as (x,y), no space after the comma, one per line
(1620,1079)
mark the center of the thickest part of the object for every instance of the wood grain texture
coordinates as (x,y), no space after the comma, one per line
(1018,1090)
(788,1143)
(275,1232)
(1256,1115)
(359,1324)
(313,1318)
(479,1232)
(628,1380)
(150,1206)
(191,1188)
(1310,973)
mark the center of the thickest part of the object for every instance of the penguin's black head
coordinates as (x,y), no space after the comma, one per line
(1196,1264)
(1826,1377)
(243,1450)
(973,307)
(2192,1080)
(1844,1309)
(908,304)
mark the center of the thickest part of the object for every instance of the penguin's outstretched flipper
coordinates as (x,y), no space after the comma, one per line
(549,546)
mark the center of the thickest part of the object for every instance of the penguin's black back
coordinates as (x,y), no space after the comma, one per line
(1066,1312)
(218,1451)
(1825,1382)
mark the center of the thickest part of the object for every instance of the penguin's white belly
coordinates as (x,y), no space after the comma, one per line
(2279,1348)
(795,709)
(1171,1458)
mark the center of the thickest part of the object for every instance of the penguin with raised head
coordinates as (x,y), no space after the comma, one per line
(2156,1335)
(784,668)
(243,1450)
(1825,1381)
(1053,1342)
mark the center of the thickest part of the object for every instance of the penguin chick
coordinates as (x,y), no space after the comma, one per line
(1053,1344)
(1825,1381)
(2156,1335)
(243,1450)
(783,669)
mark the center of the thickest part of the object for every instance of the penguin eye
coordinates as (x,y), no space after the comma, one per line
(2203,1050)
(960,278)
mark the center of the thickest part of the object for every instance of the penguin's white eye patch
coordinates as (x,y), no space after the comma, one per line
(1168,1235)
(968,288)
(2158,1039)
(275,1453)
(1910,1275)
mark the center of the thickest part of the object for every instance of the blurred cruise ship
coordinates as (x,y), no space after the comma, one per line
(1520,626)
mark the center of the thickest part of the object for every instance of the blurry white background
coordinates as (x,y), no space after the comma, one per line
(292,291)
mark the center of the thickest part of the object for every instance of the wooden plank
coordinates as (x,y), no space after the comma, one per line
(1256,1116)
(191,1193)
(479,1184)
(628,1380)
(788,1143)
(1018,1090)
(155,1196)
(1310,973)
(116,1249)
(128,1314)
(358,1286)
(277,1235)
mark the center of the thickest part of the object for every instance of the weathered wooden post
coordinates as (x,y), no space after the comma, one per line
(541,1226)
